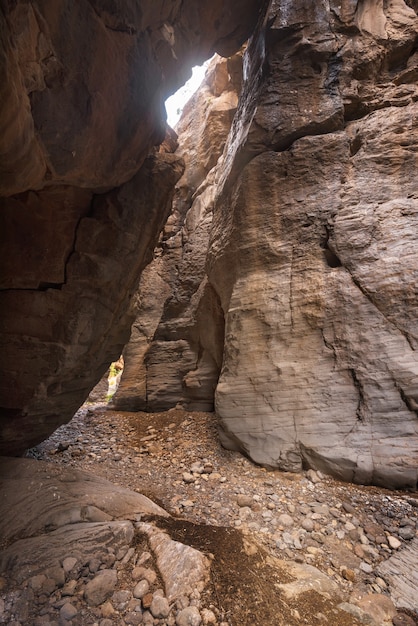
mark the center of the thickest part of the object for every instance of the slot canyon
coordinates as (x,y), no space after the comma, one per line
(257,269)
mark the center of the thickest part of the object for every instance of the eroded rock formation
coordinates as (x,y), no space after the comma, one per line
(84,200)
(175,351)
(308,304)
(313,248)
(313,251)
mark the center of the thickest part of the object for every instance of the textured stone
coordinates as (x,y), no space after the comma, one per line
(101,587)
(58,362)
(90,88)
(84,85)
(401,574)
(313,251)
(307,578)
(160,607)
(312,263)
(181,567)
(189,616)
(175,351)
(380,607)
(81,496)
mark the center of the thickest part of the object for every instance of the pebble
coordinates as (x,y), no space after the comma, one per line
(68,611)
(394,543)
(244,501)
(407,532)
(308,524)
(189,616)
(101,587)
(141,589)
(69,563)
(298,517)
(159,607)
(285,520)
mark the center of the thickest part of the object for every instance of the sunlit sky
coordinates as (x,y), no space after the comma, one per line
(175,103)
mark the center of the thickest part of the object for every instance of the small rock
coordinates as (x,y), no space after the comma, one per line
(146,600)
(196,468)
(285,520)
(188,478)
(244,501)
(68,611)
(133,619)
(101,587)
(56,574)
(121,598)
(69,588)
(208,617)
(393,542)
(69,563)
(189,616)
(348,508)
(144,572)
(94,565)
(348,574)
(159,607)
(308,524)
(365,567)
(313,476)
(141,589)
(107,609)
(358,551)
(37,582)
(407,532)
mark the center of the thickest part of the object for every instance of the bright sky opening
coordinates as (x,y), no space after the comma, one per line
(175,103)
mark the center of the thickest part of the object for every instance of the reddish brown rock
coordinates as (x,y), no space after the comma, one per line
(85,83)
(84,201)
(62,336)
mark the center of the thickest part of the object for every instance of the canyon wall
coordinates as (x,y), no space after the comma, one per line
(289,266)
(313,248)
(312,251)
(175,352)
(84,192)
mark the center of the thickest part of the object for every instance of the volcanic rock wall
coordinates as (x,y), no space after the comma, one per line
(84,197)
(313,248)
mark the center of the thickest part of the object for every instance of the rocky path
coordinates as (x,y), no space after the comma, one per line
(216,497)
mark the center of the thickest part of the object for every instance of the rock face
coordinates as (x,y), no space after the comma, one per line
(313,251)
(175,351)
(83,198)
(307,309)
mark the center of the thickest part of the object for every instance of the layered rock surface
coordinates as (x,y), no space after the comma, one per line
(83,198)
(175,351)
(313,251)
